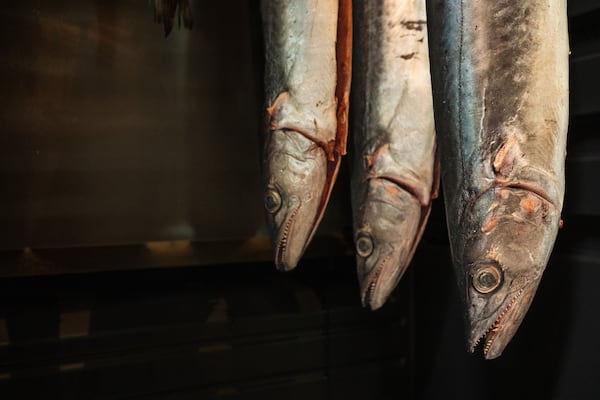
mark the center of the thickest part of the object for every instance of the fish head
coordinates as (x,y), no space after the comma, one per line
(295,177)
(504,259)
(386,230)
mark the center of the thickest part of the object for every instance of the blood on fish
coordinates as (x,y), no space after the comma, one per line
(392,189)
(530,204)
(505,156)
(490,223)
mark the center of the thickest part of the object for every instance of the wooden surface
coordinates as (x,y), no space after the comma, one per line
(239,332)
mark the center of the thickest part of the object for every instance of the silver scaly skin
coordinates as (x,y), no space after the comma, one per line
(393,177)
(306,97)
(500,88)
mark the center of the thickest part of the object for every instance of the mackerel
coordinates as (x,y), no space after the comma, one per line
(393,177)
(307,81)
(500,88)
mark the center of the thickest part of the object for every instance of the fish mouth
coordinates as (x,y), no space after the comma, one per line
(283,262)
(497,329)
(384,278)
(368,298)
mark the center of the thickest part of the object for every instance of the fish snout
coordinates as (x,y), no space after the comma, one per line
(386,272)
(290,223)
(281,217)
(379,268)
(387,230)
(295,178)
(509,240)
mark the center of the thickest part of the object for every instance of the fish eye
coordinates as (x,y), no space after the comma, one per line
(487,278)
(364,246)
(272,201)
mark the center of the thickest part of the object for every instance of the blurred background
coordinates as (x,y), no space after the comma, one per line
(134,260)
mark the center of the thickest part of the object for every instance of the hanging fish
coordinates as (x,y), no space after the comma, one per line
(500,80)
(307,82)
(165,12)
(393,179)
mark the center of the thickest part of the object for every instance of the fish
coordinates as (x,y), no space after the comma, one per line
(395,175)
(307,74)
(165,12)
(500,75)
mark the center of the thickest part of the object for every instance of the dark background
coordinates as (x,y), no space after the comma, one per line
(135,263)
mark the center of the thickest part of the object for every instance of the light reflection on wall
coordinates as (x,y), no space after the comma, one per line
(114,134)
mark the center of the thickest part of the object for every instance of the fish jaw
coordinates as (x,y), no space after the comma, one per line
(387,231)
(496,331)
(505,256)
(296,173)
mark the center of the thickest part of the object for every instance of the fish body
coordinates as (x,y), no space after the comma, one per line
(500,87)
(393,177)
(307,47)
